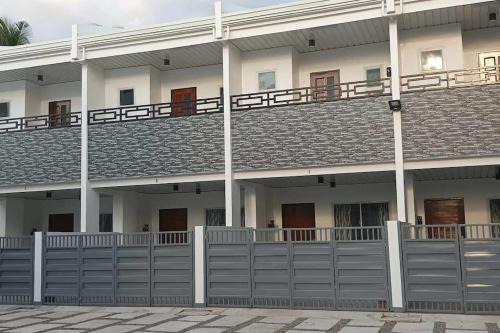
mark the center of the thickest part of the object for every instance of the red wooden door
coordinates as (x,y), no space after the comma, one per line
(325,85)
(183,102)
(59,113)
(61,223)
(442,212)
(299,216)
(172,220)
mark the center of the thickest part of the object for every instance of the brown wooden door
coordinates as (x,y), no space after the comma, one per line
(442,212)
(183,102)
(59,113)
(326,85)
(172,220)
(299,216)
(61,223)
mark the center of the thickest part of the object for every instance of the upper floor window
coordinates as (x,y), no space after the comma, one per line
(127,97)
(267,80)
(431,60)
(4,109)
(373,75)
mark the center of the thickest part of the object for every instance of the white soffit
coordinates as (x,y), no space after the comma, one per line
(216,186)
(456,173)
(52,74)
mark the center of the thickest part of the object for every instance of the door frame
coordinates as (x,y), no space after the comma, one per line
(172,103)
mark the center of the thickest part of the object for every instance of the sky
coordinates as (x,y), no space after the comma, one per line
(52,19)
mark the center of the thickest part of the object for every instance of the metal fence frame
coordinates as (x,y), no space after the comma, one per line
(16,270)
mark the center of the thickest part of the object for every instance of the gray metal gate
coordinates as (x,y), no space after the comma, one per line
(16,270)
(451,268)
(124,269)
(322,268)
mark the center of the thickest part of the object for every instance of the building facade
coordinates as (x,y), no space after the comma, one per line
(312,114)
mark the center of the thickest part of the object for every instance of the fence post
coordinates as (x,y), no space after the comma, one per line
(199,266)
(37,267)
(396,274)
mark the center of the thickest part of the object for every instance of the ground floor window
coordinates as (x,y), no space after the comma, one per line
(361,214)
(215,217)
(105,222)
(495,215)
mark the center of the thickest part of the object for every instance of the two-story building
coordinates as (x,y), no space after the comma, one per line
(281,116)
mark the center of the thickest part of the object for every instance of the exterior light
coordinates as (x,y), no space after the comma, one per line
(388,71)
(333,183)
(493,16)
(312,42)
(176,187)
(321,180)
(198,188)
(39,77)
(166,61)
(48,195)
(497,176)
(395,105)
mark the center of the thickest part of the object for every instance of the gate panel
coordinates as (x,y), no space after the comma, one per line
(16,270)
(271,269)
(228,261)
(132,269)
(480,252)
(97,269)
(312,270)
(61,269)
(361,268)
(432,271)
(172,269)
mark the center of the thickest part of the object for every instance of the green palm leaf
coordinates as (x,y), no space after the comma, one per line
(14,33)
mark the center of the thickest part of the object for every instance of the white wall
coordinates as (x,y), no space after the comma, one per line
(15,217)
(479,41)
(137,78)
(446,37)
(476,193)
(351,61)
(155,84)
(37,213)
(33,105)
(14,93)
(207,79)
(59,92)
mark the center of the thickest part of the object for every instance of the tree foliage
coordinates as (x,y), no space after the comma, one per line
(14,33)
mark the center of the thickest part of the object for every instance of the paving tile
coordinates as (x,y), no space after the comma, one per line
(366,322)
(465,331)
(302,331)
(172,326)
(127,315)
(426,327)
(260,328)
(21,322)
(466,325)
(66,331)
(81,318)
(278,320)
(151,319)
(119,329)
(316,324)
(198,318)
(36,328)
(21,314)
(228,321)
(93,324)
(364,329)
(58,314)
(207,330)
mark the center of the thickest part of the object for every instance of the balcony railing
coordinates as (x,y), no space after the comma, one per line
(154,111)
(450,79)
(342,91)
(40,122)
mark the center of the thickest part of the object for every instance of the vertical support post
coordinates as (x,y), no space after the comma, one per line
(3,217)
(74,42)
(250,206)
(396,275)
(218,33)
(410,197)
(37,267)
(199,266)
(231,64)
(398,137)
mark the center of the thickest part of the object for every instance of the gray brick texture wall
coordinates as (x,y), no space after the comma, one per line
(321,134)
(40,156)
(452,123)
(160,147)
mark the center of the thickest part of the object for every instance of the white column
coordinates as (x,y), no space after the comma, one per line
(3,217)
(250,206)
(398,137)
(410,197)
(37,267)
(231,65)
(395,265)
(199,266)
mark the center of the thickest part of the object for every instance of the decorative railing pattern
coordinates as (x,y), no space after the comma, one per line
(155,111)
(450,79)
(342,91)
(40,122)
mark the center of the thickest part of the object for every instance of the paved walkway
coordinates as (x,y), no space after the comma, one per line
(29,319)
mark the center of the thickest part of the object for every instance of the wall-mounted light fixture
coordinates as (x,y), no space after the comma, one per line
(312,40)
(333,183)
(395,105)
(48,195)
(493,14)
(198,188)
(388,71)
(175,187)
(166,61)
(321,180)
(39,78)
(497,176)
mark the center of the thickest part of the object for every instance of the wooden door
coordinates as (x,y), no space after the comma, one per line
(61,223)
(172,220)
(299,216)
(443,212)
(59,113)
(183,102)
(325,85)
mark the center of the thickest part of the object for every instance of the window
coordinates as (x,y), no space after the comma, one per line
(267,81)
(215,217)
(373,76)
(4,109)
(495,215)
(431,60)
(105,222)
(361,215)
(127,97)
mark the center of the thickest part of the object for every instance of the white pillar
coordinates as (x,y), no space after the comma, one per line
(395,265)
(3,217)
(199,265)
(231,65)
(398,137)
(37,267)
(250,206)
(410,197)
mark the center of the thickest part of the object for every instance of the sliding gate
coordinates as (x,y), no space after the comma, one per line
(452,268)
(122,269)
(16,270)
(322,268)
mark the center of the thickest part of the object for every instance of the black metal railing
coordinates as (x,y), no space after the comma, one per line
(39,122)
(154,111)
(275,98)
(450,79)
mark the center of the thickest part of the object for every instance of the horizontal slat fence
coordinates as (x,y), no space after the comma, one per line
(16,270)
